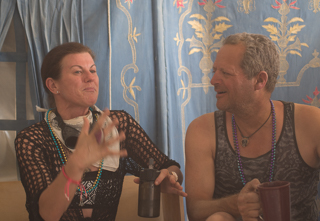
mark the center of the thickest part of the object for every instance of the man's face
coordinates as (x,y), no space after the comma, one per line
(233,88)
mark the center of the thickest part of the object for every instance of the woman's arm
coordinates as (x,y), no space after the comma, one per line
(141,148)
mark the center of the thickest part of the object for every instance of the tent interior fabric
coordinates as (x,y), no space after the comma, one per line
(154,58)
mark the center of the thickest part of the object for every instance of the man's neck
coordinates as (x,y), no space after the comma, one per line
(254,115)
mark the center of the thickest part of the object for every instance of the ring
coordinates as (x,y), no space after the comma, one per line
(260,217)
(175,175)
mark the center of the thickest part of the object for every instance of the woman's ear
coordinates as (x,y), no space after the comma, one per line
(261,80)
(52,86)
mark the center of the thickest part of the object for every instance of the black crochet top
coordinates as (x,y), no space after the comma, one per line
(39,164)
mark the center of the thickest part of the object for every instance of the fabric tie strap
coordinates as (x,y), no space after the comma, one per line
(69,181)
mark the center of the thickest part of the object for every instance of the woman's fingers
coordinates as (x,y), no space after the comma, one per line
(107,131)
(101,121)
(181,193)
(102,135)
(104,126)
(112,140)
(163,174)
(121,153)
(86,126)
(169,184)
(105,146)
(178,186)
(177,189)
(136,180)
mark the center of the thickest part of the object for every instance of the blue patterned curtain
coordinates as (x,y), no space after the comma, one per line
(154,58)
(48,23)
(131,77)
(7,8)
(194,31)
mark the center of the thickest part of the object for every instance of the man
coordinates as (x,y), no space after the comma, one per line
(269,140)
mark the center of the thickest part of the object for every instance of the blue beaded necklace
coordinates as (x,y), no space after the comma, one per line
(63,157)
(273,146)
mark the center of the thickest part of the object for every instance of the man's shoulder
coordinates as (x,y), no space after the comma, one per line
(305,110)
(306,116)
(200,136)
(202,123)
(205,118)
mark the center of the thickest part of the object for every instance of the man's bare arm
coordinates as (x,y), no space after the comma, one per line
(307,126)
(200,178)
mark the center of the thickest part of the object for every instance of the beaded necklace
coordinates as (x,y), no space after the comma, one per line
(63,157)
(273,146)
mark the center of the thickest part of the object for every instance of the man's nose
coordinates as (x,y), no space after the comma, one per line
(214,79)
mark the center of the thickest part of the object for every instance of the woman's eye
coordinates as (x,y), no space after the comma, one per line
(77,72)
(93,71)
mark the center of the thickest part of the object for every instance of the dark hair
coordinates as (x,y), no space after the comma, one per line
(51,65)
(261,55)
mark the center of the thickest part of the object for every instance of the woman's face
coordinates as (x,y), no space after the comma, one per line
(78,85)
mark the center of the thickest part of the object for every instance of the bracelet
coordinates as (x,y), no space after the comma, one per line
(175,175)
(69,181)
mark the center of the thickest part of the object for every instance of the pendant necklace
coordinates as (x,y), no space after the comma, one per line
(245,140)
(273,146)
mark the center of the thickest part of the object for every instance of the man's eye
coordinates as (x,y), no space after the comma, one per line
(214,70)
(225,73)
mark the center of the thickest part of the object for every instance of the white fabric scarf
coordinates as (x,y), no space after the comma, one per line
(110,163)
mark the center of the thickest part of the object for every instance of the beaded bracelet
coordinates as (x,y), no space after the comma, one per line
(78,183)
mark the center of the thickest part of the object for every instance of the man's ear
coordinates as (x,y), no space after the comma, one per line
(52,86)
(261,80)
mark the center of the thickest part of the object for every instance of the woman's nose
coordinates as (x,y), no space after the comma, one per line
(88,76)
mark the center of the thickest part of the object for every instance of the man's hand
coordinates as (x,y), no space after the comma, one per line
(248,201)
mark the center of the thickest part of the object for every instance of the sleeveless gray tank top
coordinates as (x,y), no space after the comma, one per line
(289,166)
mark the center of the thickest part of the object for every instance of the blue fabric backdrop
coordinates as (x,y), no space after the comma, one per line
(154,58)
(7,8)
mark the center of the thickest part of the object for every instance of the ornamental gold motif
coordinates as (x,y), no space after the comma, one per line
(246,6)
(211,39)
(283,35)
(314,5)
(132,39)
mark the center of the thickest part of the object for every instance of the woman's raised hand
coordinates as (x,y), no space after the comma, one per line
(90,148)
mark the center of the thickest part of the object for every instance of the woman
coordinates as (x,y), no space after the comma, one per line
(68,175)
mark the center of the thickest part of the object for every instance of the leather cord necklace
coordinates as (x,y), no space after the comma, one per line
(245,139)
(273,146)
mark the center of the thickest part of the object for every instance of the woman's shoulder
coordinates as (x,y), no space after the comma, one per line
(118,112)
(37,129)
(121,115)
